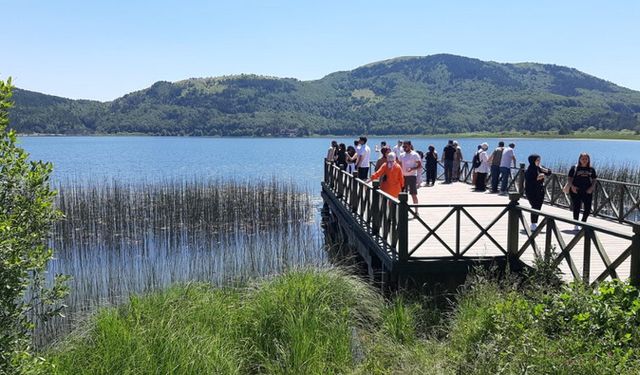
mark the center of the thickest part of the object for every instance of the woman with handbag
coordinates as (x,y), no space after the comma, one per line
(582,182)
(534,186)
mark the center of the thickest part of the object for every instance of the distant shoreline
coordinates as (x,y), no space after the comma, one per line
(574,136)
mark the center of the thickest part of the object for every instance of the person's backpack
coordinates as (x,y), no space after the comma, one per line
(475,162)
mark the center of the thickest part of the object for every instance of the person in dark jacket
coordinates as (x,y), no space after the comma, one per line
(431,160)
(534,186)
(341,156)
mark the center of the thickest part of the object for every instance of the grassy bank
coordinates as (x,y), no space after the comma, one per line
(324,321)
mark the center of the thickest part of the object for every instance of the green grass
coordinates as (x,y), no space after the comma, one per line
(324,322)
(309,321)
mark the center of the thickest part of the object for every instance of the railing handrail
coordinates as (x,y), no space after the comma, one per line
(594,227)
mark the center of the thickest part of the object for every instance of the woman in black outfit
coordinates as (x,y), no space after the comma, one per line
(431,159)
(582,182)
(341,156)
(534,186)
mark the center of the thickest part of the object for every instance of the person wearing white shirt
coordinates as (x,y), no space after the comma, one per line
(411,166)
(364,155)
(506,161)
(398,148)
(483,169)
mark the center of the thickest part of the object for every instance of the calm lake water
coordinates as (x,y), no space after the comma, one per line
(296,159)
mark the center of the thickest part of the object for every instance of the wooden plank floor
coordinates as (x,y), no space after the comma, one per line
(461,193)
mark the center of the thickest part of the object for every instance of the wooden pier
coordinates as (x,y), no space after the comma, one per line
(453,228)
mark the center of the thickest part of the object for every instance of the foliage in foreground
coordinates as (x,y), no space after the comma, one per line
(26,216)
(323,321)
(499,328)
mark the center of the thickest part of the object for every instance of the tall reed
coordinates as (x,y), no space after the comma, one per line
(119,239)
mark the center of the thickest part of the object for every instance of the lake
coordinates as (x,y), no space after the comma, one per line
(125,234)
(295,159)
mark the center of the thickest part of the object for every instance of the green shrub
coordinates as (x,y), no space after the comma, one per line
(26,217)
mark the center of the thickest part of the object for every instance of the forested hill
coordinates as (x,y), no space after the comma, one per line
(409,95)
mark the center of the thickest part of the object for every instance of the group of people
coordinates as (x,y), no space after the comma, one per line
(499,163)
(399,168)
(581,183)
(351,158)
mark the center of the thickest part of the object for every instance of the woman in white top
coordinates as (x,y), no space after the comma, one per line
(483,169)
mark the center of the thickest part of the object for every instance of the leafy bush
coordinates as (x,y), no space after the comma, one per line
(26,216)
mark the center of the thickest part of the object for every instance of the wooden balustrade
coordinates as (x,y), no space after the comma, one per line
(386,220)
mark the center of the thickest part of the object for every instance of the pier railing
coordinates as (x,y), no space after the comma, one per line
(386,220)
(613,200)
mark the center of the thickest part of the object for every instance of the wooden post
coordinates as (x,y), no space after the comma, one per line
(621,204)
(586,260)
(553,181)
(513,226)
(403,227)
(375,209)
(458,231)
(596,198)
(551,223)
(520,187)
(354,192)
(634,275)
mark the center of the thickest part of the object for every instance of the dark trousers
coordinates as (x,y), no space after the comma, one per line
(448,170)
(481,181)
(505,172)
(535,200)
(495,177)
(363,173)
(432,173)
(578,200)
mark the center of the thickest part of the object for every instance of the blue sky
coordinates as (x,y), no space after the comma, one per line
(104,49)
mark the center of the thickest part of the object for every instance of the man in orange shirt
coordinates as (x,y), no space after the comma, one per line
(390,175)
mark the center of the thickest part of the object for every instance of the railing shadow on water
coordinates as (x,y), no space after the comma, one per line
(386,219)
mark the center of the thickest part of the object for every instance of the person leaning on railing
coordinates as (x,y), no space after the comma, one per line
(582,182)
(534,186)
(390,176)
(341,157)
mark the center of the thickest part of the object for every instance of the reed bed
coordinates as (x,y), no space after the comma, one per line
(623,172)
(119,239)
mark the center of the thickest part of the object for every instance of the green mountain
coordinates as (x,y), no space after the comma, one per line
(408,95)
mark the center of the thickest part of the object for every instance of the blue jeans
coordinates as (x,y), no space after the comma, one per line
(495,174)
(504,178)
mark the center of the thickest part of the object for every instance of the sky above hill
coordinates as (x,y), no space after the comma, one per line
(103,50)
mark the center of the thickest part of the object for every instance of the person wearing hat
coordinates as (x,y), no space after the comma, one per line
(390,176)
(483,169)
(457,159)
